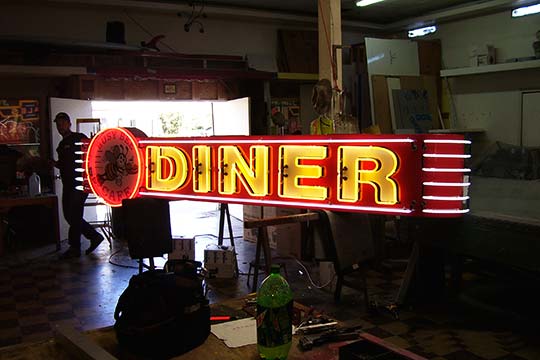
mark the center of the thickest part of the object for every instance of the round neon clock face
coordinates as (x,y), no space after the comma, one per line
(113,165)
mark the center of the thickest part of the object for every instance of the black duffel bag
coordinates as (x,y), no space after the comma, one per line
(163,314)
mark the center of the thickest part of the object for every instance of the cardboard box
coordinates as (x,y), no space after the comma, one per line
(482,55)
(250,234)
(218,255)
(220,261)
(327,275)
(182,249)
(252,211)
(221,272)
(285,239)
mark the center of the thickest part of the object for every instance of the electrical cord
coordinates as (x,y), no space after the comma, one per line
(317,286)
(215,236)
(118,264)
(328,43)
(310,279)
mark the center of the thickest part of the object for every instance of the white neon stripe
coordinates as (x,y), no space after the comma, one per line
(79,187)
(81,170)
(79,178)
(80,152)
(276,141)
(78,161)
(273,202)
(79,143)
(446,198)
(442,141)
(446,211)
(466,170)
(435,183)
(448,156)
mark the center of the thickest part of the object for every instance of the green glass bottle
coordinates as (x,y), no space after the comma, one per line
(274,316)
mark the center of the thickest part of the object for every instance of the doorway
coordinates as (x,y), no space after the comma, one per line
(156,119)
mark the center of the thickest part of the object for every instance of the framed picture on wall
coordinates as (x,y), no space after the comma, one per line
(169,88)
(19,121)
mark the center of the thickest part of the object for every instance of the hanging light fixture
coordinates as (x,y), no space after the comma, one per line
(526,10)
(422,31)
(193,18)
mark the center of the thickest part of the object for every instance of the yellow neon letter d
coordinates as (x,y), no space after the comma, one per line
(176,163)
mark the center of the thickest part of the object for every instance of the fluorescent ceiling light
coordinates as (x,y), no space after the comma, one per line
(367,2)
(422,31)
(526,10)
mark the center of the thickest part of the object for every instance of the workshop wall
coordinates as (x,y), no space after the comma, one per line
(87,24)
(491,101)
(511,37)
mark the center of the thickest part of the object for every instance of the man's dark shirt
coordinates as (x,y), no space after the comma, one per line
(66,158)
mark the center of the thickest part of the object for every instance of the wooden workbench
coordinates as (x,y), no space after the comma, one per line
(213,348)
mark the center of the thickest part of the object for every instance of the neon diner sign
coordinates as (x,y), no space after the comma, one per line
(415,175)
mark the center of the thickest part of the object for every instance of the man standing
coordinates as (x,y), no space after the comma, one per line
(73,199)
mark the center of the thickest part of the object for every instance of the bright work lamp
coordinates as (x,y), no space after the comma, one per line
(367,2)
(526,10)
(422,31)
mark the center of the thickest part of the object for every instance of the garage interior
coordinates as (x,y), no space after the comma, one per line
(435,288)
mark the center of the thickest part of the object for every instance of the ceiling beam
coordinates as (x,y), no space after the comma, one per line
(39,71)
(227,12)
(458,12)
(217,12)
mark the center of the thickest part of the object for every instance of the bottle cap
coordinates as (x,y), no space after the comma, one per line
(275,268)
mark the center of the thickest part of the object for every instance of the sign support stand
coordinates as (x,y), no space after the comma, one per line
(224,212)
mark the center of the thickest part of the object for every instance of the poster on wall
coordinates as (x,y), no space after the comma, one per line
(411,108)
(19,121)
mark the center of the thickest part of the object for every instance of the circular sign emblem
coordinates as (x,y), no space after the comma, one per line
(113,165)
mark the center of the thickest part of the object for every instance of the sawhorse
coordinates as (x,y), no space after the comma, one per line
(262,238)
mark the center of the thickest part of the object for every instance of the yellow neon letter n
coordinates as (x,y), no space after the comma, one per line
(291,172)
(253,176)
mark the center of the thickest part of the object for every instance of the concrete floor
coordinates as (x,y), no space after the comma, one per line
(38,291)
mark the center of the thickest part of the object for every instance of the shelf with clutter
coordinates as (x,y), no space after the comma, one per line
(509,66)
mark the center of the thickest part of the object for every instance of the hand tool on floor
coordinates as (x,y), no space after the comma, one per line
(388,308)
(316,324)
(308,342)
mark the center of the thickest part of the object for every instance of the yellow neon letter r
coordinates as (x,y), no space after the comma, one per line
(351,175)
